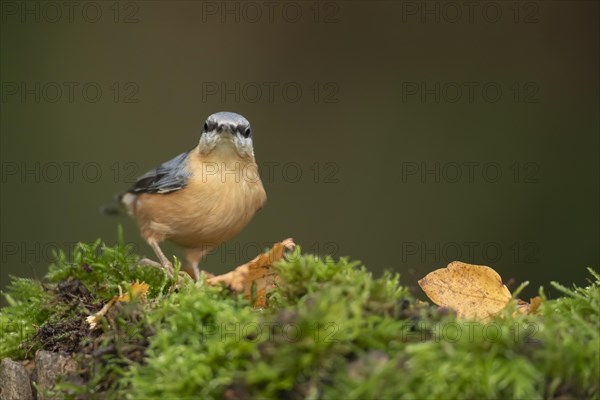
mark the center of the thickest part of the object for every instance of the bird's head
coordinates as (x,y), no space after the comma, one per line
(225,131)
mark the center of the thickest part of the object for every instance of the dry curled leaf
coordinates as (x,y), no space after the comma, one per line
(473,291)
(94,319)
(529,308)
(256,275)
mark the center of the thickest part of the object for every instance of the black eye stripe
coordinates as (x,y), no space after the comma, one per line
(244,129)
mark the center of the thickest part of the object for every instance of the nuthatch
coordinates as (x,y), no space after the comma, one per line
(202,197)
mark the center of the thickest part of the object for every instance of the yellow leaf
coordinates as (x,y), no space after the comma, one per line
(473,291)
(258,272)
(137,290)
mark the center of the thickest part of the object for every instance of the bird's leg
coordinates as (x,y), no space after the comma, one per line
(164,261)
(195,270)
(194,256)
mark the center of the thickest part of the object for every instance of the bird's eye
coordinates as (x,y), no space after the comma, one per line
(206,127)
(247,132)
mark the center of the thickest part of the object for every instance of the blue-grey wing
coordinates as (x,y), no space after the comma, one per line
(167,177)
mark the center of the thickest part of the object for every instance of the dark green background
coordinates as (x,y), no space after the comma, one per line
(354,123)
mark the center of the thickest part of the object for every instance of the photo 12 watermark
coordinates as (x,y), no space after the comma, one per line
(69,12)
(267,331)
(468,12)
(270,92)
(35,252)
(487,252)
(68,92)
(238,252)
(471,172)
(470,331)
(270,12)
(70,172)
(469,92)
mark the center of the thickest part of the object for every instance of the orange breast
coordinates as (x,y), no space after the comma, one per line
(221,197)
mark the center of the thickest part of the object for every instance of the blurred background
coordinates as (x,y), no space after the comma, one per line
(404,134)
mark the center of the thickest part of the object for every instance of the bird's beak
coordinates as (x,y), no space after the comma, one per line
(225,130)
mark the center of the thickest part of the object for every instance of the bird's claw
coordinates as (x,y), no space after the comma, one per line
(168,267)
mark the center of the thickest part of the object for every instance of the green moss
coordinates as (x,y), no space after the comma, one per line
(331,331)
(103,269)
(29,307)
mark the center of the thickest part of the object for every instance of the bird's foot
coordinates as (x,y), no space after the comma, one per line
(168,267)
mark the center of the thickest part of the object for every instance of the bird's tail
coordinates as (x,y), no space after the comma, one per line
(115,207)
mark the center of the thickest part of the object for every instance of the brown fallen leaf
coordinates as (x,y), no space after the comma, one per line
(258,273)
(473,291)
(137,290)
